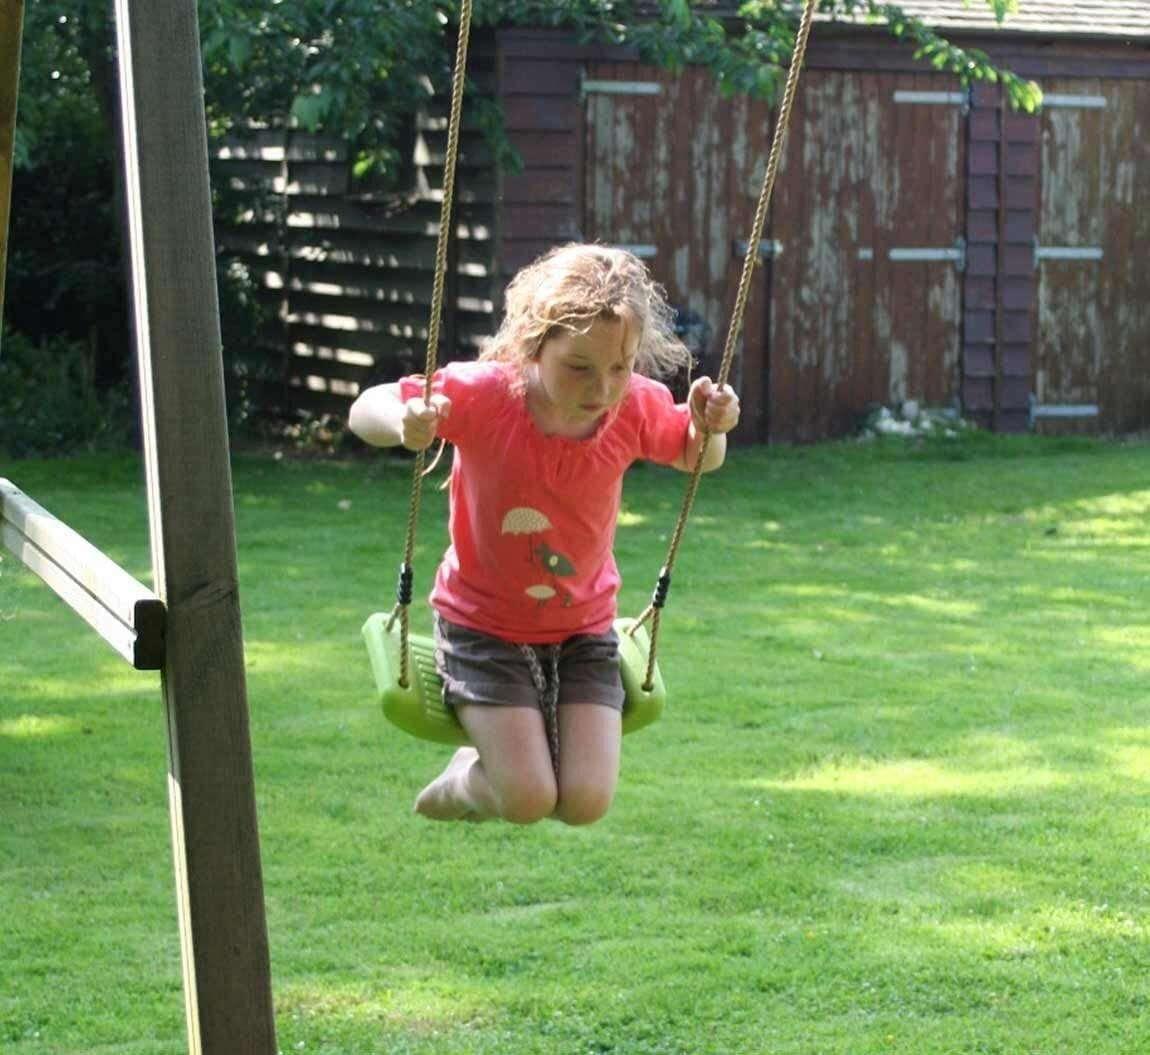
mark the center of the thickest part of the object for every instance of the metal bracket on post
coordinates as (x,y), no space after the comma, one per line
(588,86)
(1056,100)
(1065,252)
(1061,410)
(957,254)
(769,248)
(961,99)
(641,250)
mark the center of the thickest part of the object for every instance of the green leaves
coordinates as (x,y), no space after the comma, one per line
(679,13)
(358,68)
(311,108)
(1002,8)
(353,69)
(967,64)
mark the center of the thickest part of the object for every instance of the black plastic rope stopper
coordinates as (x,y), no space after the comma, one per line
(659,597)
(403,587)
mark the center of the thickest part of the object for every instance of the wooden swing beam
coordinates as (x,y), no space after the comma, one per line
(125,613)
(190,627)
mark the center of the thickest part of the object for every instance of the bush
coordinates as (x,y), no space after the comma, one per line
(49,403)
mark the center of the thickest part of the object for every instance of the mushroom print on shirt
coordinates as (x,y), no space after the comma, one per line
(532,523)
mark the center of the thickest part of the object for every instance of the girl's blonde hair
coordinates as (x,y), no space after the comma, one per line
(569,288)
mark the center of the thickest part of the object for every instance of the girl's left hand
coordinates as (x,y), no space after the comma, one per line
(712,407)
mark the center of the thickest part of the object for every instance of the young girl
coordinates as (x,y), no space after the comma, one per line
(544,426)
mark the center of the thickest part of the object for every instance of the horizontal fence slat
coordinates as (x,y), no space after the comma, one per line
(381,344)
(337,185)
(472,220)
(357,284)
(124,612)
(275,145)
(350,249)
(355,313)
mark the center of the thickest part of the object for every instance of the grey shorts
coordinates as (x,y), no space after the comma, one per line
(478,668)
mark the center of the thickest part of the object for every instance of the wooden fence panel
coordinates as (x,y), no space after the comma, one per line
(345,274)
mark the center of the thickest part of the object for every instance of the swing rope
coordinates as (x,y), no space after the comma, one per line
(654,610)
(406,575)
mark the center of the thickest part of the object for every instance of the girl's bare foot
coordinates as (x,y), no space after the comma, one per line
(446,798)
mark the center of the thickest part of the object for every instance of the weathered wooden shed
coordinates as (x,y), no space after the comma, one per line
(925,242)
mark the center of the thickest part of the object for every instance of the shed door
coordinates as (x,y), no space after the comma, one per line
(866,304)
(671,172)
(861,302)
(1069,253)
(1093,286)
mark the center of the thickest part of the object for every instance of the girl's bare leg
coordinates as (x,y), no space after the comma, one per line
(507,774)
(590,736)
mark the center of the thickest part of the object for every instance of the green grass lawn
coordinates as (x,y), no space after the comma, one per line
(898,802)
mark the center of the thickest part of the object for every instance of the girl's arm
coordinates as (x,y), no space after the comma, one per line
(379,416)
(718,410)
(716,450)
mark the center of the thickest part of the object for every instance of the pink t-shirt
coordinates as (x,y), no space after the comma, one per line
(533,516)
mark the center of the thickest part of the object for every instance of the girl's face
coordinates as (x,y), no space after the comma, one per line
(580,377)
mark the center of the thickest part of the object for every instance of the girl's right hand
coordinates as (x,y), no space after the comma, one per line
(420,422)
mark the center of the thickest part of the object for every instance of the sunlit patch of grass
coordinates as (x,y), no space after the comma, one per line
(928,606)
(1132,643)
(1130,756)
(38,726)
(918,778)
(1037,934)
(628,518)
(409,999)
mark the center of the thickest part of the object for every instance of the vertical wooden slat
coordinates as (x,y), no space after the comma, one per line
(11,32)
(215,838)
(786,226)
(862,316)
(1000,268)
(747,145)
(1124,390)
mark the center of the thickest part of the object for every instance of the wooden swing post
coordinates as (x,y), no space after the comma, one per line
(11,33)
(219,885)
(190,626)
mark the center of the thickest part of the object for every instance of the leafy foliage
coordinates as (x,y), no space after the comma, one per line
(49,402)
(353,68)
(748,55)
(64,273)
(968,64)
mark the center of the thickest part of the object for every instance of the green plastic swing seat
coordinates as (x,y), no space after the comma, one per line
(419,709)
